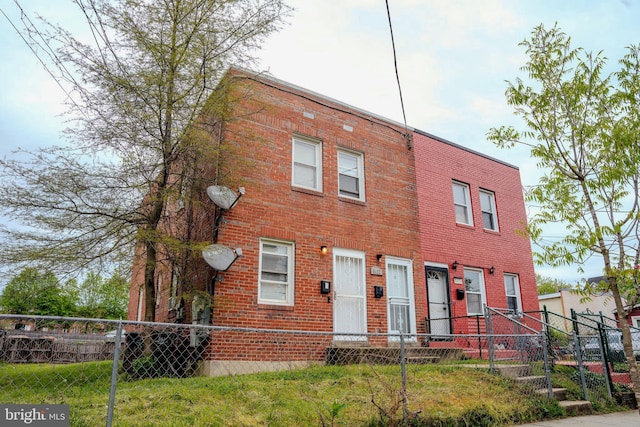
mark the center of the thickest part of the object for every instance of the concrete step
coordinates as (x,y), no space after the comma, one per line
(535,380)
(522,374)
(558,393)
(577,407)
(513,370)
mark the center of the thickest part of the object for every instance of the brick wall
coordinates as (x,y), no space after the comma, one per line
(386,223)
(408,212)
(444,241)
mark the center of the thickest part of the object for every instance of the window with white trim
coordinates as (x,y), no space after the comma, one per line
(173,295)
(307,163)
(141,306)
(488,207)
(276,277)
(512,291)
(351,174)
(462,202)
(474,286)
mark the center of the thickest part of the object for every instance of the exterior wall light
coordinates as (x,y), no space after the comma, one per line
(454,266)
(323,250)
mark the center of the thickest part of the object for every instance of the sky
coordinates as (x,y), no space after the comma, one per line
(453,56)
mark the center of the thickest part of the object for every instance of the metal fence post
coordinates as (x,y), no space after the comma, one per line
(574,319)
(478,332)
(403,369)
(114,375)
(547,331)
(604,352)
(490,339)
(547,369)
(578,353)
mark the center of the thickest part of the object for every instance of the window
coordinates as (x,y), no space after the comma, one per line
(140,312)
(488,207)
(307,163)
(350,175)
(474,285)
(276,273)
(512,291)
(173,295)
(462,202)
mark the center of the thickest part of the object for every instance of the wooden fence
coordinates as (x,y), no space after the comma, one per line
(24,348)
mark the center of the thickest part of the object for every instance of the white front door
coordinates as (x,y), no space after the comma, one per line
(349,296)
(439,303)
(401,307)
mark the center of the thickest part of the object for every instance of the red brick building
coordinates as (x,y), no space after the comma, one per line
(472,215)
(330,195)
(338,197)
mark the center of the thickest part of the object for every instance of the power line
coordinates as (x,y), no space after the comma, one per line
(395,65)
(32,44)
(35,53)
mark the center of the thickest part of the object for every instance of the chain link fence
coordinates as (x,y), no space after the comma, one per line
(593,343)
(115,372)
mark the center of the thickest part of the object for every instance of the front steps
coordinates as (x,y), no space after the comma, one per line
(523,374)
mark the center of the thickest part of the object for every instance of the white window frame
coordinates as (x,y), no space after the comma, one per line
(463,204)
(173,294)
(481,292)
(516,285)
(297,142)
(635,321)
(359,173)
(290,281)
(141,305)
(489,210)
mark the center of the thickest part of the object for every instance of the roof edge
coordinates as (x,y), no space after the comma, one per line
(461,147)
(266,76)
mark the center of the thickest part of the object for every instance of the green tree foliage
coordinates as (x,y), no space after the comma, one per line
(33,292)
(583,128)
(547,285)
(38,293)
(139,91)
(101,298)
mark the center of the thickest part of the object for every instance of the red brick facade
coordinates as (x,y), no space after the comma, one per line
(273,208)
(444,241)
(406,216)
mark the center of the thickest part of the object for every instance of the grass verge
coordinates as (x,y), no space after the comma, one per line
(355,395)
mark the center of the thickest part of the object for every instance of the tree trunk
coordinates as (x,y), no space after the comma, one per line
(149,282)
(627,343)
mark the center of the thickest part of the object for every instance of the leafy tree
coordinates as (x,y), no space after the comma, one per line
(547,285)
(583,128)
(101,298)
(140,94)
(37,293)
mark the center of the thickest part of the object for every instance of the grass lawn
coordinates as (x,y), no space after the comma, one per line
(354,395)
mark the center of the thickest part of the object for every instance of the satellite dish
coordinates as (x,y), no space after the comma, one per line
(224,197)
(220,257)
